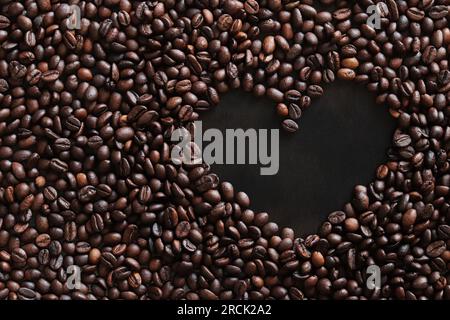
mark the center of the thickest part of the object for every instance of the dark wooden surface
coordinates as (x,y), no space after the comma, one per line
(343,137)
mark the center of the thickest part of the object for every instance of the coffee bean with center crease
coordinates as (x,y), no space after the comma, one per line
(336,217)
(17,70)
(50,76)
(95,142)
(444,232)
(58,165)
(251,6)
(62,144)
(43,240)
(50,193)
(289,125)
(87,193)
(26,294)
(295,112)
(4,86)
(73,123)
(18,256)
(4,22)
(435,249)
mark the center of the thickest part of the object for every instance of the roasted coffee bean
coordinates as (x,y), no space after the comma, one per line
(58,165)
(290,125)
(251,6)
(435,249)
(62,144)
(19,256)
(50,76)
(336,217)
(444,232)
(17,70)
(73,124)
(43,240)
(4,22)
(295,112)
(50,193)
(4,86)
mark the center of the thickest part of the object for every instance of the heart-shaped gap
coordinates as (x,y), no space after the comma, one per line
(342,138)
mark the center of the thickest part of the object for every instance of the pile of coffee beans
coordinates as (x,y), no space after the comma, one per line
(87,109)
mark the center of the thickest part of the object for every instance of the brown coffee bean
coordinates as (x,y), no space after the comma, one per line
(50,76)
(317,259)
(43,240)
(435,249)
(346,74)
(4,22)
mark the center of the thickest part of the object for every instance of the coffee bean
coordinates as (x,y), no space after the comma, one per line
(393,9)
(435,249)
(124,134)
(346,74)
(70,39)
(290,125)
(409,218)
(438,12)
(251,6)
(43,240)
(402,140)
(73,124)
(336,217)
(17,70)
(4,86)
(58,165)
(295,112)
(26,294)
(317,259)
(444,231)
(34,76)
(50,76)
(315,91)
(62,144)
(18,256)
(4,22)
(50,193)
(124,18)
(182,229)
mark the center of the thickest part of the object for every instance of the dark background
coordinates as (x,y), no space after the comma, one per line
(342,139)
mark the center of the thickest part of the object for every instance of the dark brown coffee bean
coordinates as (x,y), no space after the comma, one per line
(50,193)
(58,165)
(438,12)
(251,6)
(124,134)
(4,86)
(73,123)
(182,229)
(289,125)
(295,112)
(50,76)
(444,232)
(61,144)
(393,9)
(435,249)
(336,217)
(4,22)
(17,70)
(18,256)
